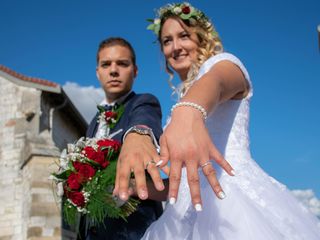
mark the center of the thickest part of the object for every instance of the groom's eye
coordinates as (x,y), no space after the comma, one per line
(123,63)
(105,64)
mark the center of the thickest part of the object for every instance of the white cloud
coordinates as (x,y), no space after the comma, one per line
(85,98)
(308,198)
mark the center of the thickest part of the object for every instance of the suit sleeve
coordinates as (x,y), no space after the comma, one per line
(146,110)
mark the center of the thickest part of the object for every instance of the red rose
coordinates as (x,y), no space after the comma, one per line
(104,164)
(110,114)
(94,155)
(102,160)
(77,198)
(114,144)
(85,171)
(97,156)
(74,181)
(90,153)
(186,10)
(77,165)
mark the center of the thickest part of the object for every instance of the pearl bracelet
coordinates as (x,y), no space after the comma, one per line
(191,104)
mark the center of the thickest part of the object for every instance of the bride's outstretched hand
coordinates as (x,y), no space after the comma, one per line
(186,142)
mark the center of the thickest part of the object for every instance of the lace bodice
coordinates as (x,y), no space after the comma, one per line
(228,124)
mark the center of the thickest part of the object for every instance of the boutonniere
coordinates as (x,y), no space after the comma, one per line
(110,117)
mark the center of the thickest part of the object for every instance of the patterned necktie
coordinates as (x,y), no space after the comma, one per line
(110,107)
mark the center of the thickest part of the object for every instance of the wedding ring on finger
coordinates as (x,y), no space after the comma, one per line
(205,164)
(148,163)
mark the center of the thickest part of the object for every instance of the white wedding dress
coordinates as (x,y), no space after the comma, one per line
(256,207)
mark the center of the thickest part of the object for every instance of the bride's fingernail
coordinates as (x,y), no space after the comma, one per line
(160,186)
(159,163)
(172,200)
(123,196)
(221,195)
(198,207)
(233,172)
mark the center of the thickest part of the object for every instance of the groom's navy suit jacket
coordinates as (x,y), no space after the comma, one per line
(139,109)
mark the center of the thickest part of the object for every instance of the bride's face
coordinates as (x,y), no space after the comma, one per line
(179,45)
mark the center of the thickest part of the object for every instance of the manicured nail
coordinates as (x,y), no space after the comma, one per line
(123,196)
(198,207)
(172,200)
(221,195)
(233,172)
(159,163)
(143,194)
(160,186)
(130,191)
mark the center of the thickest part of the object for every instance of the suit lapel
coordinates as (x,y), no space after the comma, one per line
(93,127)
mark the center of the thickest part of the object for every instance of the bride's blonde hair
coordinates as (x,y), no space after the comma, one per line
(209,41)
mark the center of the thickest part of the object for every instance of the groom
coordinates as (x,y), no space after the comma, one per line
(141,119)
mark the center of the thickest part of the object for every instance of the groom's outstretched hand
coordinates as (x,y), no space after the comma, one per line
(138,154)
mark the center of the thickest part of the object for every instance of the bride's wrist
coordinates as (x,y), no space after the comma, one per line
(186,107)
(186,115)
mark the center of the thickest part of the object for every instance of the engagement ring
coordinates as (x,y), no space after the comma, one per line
(205,164)
(151,161)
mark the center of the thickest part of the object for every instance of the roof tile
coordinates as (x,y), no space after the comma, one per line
(26,78)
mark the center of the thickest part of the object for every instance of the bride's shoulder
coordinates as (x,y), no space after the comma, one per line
(224,56)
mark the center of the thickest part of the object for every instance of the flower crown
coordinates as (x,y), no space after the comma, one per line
(182,10)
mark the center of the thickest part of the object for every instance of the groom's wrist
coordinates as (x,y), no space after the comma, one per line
(143,130)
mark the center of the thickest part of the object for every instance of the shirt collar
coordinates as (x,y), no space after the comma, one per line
(118,101)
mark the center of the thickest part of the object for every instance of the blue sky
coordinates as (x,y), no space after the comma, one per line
(276,40)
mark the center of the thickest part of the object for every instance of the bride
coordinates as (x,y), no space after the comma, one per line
(242,202)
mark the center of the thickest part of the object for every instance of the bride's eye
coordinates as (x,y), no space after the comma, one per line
(185,35)
(165,41)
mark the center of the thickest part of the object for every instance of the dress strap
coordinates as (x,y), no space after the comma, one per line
(209,63)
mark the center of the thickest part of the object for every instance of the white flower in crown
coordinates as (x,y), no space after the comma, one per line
(177,10)
(157,21)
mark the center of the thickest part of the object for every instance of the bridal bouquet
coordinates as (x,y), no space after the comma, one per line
(86,178)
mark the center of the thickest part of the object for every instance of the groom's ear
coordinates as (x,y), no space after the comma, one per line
(97,73)
(135,71)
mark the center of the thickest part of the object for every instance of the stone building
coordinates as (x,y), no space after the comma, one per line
(37,120)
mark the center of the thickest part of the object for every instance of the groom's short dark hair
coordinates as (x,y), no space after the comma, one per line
(113,41)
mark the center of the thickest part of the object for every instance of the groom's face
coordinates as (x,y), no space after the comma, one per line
(116,71)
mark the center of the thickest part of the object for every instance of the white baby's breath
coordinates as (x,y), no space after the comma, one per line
(63,160)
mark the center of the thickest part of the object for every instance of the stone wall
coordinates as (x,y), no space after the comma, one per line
(40,209)
(12,143)
(33,131)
